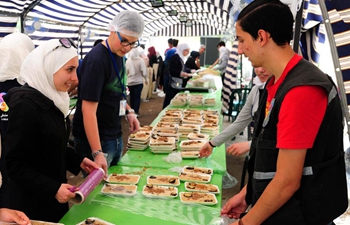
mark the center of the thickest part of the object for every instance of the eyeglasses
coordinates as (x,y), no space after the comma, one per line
(125,43)
(66,43)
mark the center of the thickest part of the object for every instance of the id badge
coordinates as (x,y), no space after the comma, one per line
(122,108)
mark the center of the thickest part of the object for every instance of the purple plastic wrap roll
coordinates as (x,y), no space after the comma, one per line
(89,184)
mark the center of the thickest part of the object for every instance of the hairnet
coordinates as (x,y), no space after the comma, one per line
(127,22)
(14,48)
(41,64)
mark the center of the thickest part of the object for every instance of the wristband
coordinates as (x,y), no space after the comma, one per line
(94,154)
(129,111)
(213,146)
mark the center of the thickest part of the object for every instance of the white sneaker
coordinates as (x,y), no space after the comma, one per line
(158,90)
(145,100)
(161,94)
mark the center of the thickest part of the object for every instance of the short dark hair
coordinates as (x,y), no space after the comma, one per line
(97,42)
(270,15)
(175,42)
(221,43)
(170,41)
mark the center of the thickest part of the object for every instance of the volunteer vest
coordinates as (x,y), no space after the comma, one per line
(322,195)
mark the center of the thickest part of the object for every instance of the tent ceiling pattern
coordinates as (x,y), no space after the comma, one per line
(208,17)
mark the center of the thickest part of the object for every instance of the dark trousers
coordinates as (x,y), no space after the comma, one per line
(166,83)
(170,94)
(135,97)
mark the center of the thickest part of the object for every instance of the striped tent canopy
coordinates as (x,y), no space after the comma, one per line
(86,20)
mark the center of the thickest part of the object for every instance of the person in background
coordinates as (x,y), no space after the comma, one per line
(244,118)
(153,63)
(6,214)
(102,93)
(167,58)
(221,63)
(296,166)
(177,69)
(160,78)
(137,75)
(37,157)
(202,49)
(14,48)
(191,65)
(152,56)
(170,45)
(10,215)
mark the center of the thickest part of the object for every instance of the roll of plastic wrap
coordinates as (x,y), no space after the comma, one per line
(89,184)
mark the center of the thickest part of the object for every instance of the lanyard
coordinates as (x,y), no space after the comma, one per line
(117,71)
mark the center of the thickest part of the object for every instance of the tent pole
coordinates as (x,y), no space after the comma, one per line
(26,11)
(297,29)
(337,67)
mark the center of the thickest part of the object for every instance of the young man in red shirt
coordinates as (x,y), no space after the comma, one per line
(296,166)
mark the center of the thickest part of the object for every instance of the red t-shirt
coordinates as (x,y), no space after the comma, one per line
(301,113)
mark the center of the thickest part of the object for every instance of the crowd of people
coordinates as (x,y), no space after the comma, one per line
(296,165)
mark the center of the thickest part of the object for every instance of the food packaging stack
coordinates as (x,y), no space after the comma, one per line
(198,136)
(209,102)
(166,129)
(190,148)
(211,119)
(186,129)
(138,141)
(210,129)
(179,100)
(162,144)
(195,100)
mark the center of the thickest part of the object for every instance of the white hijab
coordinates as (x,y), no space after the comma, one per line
(132,61)
(39,67)
(179,50)
(14,48)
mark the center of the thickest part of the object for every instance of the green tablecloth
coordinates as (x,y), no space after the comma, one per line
(146,158)
(142,210)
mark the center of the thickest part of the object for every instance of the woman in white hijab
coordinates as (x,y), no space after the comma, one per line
(14,48)
(177,72)
(137,74)
(37,134)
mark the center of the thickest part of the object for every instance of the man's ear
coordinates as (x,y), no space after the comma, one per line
(262,36)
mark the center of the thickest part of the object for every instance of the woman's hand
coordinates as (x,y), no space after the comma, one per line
(64,194)
(9,215)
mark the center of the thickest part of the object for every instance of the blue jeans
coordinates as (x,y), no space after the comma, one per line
(113,148)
